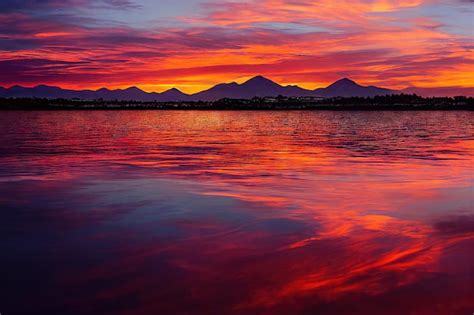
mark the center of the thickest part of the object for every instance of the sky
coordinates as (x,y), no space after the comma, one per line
(195,44)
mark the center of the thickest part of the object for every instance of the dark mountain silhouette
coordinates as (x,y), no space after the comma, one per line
(219,91)
(173,95)
(348,88)
(256,87)
(130,94)
(37,91)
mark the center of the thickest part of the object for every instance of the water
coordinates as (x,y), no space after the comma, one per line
(158,212)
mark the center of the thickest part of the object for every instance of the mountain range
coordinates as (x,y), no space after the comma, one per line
(258,86)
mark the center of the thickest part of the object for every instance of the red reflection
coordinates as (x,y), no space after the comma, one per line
(254,213)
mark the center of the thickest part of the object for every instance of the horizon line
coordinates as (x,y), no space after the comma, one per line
(434,89)
(177,88)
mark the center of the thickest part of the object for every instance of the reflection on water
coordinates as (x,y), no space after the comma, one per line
(237,212)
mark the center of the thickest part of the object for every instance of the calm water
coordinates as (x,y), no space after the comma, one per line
(237,212)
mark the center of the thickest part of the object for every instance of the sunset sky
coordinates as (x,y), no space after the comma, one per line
(194,44)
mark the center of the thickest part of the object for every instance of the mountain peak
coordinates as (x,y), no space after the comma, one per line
(259,79)
(43,86)
(173,91)
(17,87)
(347,88)
(133,88)
(344,82)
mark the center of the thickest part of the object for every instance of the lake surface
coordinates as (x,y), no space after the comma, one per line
(298,212)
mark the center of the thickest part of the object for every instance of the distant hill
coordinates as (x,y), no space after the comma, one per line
(130,94)
(173,95)
(256,87)
(348,88)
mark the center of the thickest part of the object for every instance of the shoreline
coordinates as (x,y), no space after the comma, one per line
(379,103)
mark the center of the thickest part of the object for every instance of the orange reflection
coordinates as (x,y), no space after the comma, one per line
(247,212)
